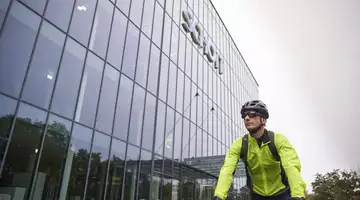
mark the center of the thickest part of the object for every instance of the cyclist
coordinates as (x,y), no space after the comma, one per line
(272,164)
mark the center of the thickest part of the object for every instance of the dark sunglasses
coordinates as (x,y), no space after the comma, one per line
(251,114)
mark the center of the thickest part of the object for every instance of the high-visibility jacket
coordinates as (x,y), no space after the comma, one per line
(264,170)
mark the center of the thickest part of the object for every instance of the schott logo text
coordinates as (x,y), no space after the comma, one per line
(197,35)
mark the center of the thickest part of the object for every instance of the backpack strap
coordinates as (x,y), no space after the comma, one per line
(275,153)
(243,156)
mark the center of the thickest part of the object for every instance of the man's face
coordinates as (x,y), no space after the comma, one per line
(252,120)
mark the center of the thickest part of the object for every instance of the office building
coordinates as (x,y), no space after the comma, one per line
(117,99)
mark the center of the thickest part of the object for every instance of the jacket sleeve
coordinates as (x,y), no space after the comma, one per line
(226,172)
(292,167)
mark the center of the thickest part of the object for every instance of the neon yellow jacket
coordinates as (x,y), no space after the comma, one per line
(264,170)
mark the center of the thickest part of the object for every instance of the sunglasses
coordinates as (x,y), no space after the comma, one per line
(251,115)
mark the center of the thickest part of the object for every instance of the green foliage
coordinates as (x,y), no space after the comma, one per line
(336,185)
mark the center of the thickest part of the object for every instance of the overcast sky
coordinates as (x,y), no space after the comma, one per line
(305,56)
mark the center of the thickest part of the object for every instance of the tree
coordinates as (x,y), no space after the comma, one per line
(336,185)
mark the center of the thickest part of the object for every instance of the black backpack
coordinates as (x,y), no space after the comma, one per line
(272,147)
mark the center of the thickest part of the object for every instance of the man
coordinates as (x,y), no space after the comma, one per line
(272,165)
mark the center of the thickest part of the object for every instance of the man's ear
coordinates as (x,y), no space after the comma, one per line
(263,121)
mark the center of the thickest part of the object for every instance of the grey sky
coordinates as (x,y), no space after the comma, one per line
(305,56)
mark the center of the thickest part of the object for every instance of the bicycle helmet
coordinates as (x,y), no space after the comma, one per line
(257,106)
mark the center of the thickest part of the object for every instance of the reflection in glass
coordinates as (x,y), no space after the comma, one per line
(155,189)
(153,69)
(131,47)
(116,171)
(136,11)
(104,121)
(23,150)
(143,61)
(199,140)
(101,28)
(68,81)
(178,136)
(145,171)
(137,115)
(172,85)
(148,130)
(158,19)
(89,90)
(193,136)
(19,30)
(76,163)
(188,103)
(160,127)
(180,91)
(7,110)
(132,161)
(59,12)
(169,133)
(44,66)
(147,20)
(123,108)
(52,158)
(185,139)
(164,78)
(117,39)
(98,166)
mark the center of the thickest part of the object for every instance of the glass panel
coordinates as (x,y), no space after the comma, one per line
(59,12)
(155,189)
(89,90)
(169,133)
(153,70)
(177,11)
(194,103)
(158,20)
(193,135)
(123,108)
(180,92)
(187,97)
(98,167)
(23,150)
(148,131)
(76,164)
(132,161)
(131,47)
(4,4)
(143,61)
(124,6)
(185,139)
(7,110)
(68,81)
(147,20)
(167,35)
(194,74)
(210,146)
(37,5)
(145,178)
(188,53)
(167,188)
(101,28)
(20,29)
(137,115)
(106,110)
(116,171)
(169,7)
(182,51)
(82,20)
(164,78)
(117,39)
(136,11)
(178,135)
(160,127)
(205,144)
(44,66)
(174,43)
(51,164)
(199,142)
(172,85)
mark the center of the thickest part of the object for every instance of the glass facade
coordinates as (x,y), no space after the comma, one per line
(117,99)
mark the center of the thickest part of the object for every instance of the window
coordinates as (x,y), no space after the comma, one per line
(160,128)
(123,108)
(174,43)
(136,11)
(185,139)
(132,161)
(68,81)
(106,110)
(147,20)
(19,29)
(144,179)
(101,28)
(178,136)
(59,12)
(89,90)
(44,66)
(169,133)
(124,6)
(117,39)
(23,149)
(3,8)
(38,6)
(172,85)
(137,115)
(164,78)
(82,20)
(153,70)
(167,35)
(180,91)
(158,20)
(143,61)
(149,118)
(131,47)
